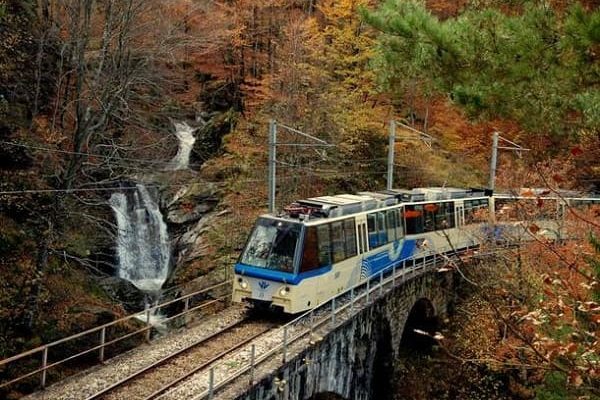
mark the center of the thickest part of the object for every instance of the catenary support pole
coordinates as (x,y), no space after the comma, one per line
(494,160)
(390,166)
(272,166)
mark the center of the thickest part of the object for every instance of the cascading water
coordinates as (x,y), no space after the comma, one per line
(142,243)
(185,134)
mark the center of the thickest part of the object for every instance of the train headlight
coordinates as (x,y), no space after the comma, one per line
(243,284)
(284,291)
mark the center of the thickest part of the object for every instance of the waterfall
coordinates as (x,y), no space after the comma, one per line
(143,245)
(185,134)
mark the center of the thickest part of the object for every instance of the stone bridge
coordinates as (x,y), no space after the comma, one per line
(355,358)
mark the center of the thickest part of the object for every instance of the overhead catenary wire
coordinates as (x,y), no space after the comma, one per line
(325,174)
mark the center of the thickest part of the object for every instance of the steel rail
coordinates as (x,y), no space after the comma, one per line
(165,360)
(204,365)
(174,355)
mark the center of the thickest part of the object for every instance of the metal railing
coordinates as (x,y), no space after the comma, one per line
(329,312)
(184,306)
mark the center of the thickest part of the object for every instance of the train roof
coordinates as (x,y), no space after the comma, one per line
(345,204)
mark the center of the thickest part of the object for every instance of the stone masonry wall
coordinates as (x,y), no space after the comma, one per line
(345,361)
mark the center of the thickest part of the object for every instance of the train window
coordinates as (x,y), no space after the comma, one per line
(372,227)
(383,236)
(450,215)
(444,217)
(413,216)
(391,216)
(350,234)
(310,255)
(324,244)
(400,223)
(338,242)
(272,245)
(430,212)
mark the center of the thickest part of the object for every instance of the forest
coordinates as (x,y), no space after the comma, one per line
(92,92)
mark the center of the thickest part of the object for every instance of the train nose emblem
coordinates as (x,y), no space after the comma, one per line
(263,285)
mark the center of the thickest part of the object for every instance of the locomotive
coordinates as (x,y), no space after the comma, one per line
(321,246)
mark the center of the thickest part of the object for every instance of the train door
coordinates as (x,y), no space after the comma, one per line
(460,214)
(363,243)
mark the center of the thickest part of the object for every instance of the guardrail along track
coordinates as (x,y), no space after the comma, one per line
(155,379)
(106,341)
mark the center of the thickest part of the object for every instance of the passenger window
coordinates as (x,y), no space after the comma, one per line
(310,255)
(383,236)
(350,234)
(391,224)
(400,226)
(430,212)
(372,227)
(441,217)
(338,242)
(450,217)
(324,245)
(414,219)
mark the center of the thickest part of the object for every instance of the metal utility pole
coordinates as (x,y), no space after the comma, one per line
(496,138)
(424,137)
(273,125)
(272,163)
(392,142)
(494,160)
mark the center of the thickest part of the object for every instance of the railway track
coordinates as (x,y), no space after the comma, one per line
(156,379)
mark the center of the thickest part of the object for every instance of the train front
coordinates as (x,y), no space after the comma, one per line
(266,271)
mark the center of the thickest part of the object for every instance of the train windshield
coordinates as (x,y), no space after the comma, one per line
(272,245)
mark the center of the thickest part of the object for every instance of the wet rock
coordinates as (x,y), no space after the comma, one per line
(191,203)
(191,244)
(123,291)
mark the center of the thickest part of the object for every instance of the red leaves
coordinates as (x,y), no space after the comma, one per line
(576,151)
(533,228)
(540,202)
(557,178)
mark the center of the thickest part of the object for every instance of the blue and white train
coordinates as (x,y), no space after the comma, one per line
(322,246)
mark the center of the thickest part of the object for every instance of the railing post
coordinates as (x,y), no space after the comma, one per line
(186,308)
(44,365)
(149,330)
(285,339)
(333,312)
(310,321)
(368,287)
(211,383)
(381,283)
(394,275)
(352,298)
(102,341)
(252,361)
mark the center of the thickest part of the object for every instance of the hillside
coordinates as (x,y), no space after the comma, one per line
(90,92)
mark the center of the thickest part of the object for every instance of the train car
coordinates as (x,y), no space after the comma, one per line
(322,246)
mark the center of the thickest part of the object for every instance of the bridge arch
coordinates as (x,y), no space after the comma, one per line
(421,318)
(383,363)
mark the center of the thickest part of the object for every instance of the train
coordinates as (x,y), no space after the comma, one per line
(321,246)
